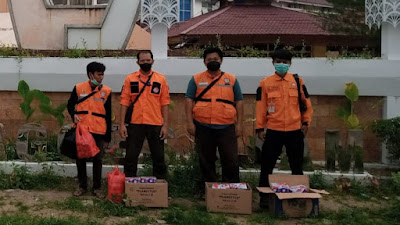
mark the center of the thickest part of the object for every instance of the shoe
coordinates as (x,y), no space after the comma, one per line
(79,192)
(98,193)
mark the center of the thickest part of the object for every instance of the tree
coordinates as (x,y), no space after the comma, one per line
(347,17)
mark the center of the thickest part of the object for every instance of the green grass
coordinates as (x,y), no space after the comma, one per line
(26,219)
(99,208)
(263,218)
(194,216)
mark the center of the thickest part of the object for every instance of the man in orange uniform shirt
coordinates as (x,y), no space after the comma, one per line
(150,115)
(285,115)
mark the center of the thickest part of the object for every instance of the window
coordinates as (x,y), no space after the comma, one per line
(78,2)
(185,10)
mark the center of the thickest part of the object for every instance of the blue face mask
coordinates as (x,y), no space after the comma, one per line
(95,82)
(281,68)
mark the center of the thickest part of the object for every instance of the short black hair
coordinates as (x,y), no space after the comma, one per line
(282,54)
(95,67)
(212,50)
(144,51)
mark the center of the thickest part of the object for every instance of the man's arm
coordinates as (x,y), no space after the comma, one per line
(238,97)
(307,115)
(239,122)
(107,107)
(73,99)
(261,111)
(189,104)
(124,102)
(164,129)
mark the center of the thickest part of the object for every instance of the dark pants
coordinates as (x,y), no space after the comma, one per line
(272,149)
(207,142)
(136,135)
(97,165)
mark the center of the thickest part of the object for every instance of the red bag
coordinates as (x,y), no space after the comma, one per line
(116,185)
(85,144)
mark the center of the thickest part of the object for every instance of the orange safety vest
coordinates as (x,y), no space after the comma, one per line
(92,111)
(217,105)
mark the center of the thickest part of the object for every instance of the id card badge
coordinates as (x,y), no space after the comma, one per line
(271,107)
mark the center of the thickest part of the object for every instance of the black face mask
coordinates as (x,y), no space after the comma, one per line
(213,66)
(145,67)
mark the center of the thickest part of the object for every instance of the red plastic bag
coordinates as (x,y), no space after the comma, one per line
(116,185)
(85,144)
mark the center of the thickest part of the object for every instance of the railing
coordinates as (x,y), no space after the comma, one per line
(78,2)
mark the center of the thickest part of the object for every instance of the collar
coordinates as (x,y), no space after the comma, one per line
(287,77)
(141,74)
(209,75)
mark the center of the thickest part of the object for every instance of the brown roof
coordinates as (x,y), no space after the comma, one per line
(250,20)
(312,2)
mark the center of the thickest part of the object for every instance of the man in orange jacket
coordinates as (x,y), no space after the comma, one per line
(94,114)
(211,117)
(285,115)
(150,115)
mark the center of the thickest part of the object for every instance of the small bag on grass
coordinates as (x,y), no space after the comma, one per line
(116,185)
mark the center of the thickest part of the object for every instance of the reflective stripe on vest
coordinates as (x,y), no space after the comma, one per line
(92,111)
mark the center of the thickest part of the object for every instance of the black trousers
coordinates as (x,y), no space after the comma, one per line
(207,142)
(97,165)
(136,135)
(272,149)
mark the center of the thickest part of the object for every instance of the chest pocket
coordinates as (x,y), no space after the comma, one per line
(156,88)
(134,87)
(274,96)
(293,96)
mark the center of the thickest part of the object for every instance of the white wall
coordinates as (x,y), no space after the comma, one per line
(322,76)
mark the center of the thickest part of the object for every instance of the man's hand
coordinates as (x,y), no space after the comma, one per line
(164,132)
(239,130)
(304,129)
(123,131)
(76,118)
(191,128)
(261,135)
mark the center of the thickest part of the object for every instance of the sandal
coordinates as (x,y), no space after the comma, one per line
(98,193)
(79,192)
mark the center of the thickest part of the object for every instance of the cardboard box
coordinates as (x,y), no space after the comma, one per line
(237,201)
(147,194)
(292,204)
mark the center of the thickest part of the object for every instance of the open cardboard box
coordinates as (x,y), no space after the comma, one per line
(237,201)
(293,204)
(147,194)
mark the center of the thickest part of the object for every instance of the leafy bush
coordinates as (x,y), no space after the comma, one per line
(317,180)
(388,130)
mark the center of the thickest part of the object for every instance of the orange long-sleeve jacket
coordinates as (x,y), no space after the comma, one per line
(278,104)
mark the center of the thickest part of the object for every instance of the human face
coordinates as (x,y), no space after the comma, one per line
(98,76)
(212,57)
(284,61)
(145,58)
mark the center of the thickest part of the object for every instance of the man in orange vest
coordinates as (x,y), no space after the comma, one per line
(148,91)
(284,108)
(94,113)
(213,106)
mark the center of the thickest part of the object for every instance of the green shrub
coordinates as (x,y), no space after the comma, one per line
(388,130)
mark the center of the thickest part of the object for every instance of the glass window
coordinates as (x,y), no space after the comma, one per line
(185,10)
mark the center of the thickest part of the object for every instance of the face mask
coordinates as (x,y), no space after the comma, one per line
(281,68)
(213,66)
(95,82)
(145,67)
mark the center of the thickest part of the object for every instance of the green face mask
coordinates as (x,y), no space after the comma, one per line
(94,82)
(281,68)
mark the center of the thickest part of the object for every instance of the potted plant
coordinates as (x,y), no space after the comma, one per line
(354,132)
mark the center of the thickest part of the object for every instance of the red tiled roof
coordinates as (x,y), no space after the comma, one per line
(250,20)
(317,2)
